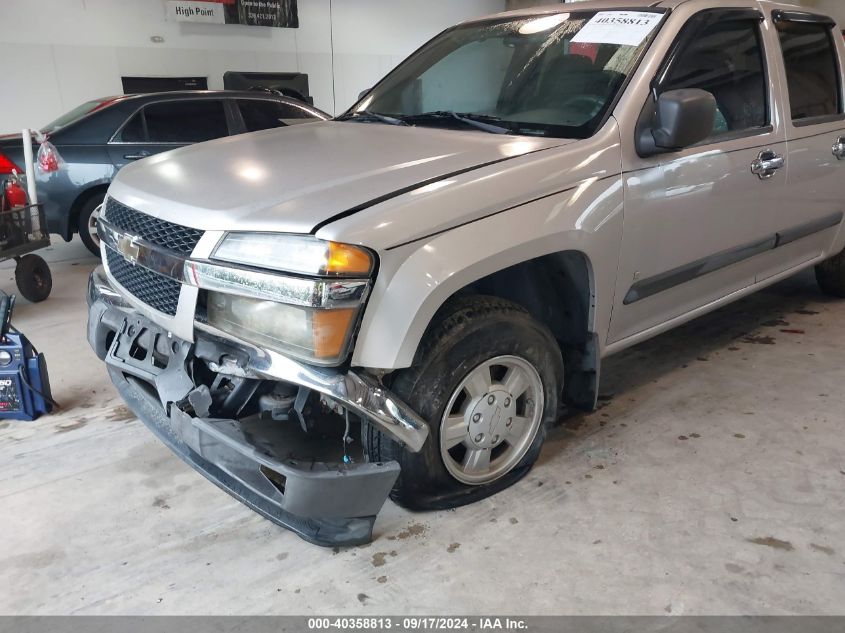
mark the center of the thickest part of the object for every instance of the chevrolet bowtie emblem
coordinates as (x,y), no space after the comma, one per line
(129,248)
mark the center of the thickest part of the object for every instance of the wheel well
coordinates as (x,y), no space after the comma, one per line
(558,291)
(80,201)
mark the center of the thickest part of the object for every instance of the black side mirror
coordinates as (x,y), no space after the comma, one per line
(363,93)
(681,119)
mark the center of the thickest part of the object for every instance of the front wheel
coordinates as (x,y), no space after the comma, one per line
(87,222)
(487,377)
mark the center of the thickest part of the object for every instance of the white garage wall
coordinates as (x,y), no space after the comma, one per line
(59,53)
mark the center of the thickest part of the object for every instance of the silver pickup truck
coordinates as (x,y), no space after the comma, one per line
(399,301)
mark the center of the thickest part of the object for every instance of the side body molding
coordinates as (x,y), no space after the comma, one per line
(653,285)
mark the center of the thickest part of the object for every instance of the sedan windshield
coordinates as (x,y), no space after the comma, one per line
(550,75)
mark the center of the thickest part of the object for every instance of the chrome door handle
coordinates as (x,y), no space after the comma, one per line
(839,148)
(766,164)
(137,156)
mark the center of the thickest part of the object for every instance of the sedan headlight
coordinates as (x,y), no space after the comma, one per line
(314,324)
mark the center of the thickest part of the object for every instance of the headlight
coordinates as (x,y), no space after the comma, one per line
(311,334)
(300,254)
(312,319)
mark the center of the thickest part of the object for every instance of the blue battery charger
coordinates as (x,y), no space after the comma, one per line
(24,383)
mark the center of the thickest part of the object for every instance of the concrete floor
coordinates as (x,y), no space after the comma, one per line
(711,482)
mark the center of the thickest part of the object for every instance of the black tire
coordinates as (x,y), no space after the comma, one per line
(83,222)
(33,278)
(466,333)
(831,276)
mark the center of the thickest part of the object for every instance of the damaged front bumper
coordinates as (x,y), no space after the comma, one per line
(325,502)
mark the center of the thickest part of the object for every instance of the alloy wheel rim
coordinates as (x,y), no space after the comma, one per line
(491,420)
(92,225)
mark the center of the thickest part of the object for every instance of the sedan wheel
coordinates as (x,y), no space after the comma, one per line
(87,222)
(92,226)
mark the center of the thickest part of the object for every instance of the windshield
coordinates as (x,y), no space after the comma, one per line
(77,113)
(549,75)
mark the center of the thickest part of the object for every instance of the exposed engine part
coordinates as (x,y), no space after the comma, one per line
(286,402)
(221,357)
(299,407)
(347,440)
(332,405)
(200,400)
(231,394)
(278,403)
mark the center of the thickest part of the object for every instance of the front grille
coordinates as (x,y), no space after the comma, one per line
(157,291)
(178,238)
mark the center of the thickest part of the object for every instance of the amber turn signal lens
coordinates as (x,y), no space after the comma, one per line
(330,329)
(345,259)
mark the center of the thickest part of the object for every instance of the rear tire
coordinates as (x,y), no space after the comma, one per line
(33,278)
(87,222)
(468,334)
(831,276)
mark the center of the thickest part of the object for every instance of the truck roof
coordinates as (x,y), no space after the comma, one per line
(602,5)
(591,5)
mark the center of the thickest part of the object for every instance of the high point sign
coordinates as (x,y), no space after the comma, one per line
(278,13)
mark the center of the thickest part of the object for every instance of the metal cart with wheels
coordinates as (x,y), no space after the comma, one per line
(20,235)
(23,229)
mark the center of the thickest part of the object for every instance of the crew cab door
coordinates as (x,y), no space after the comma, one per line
(165,125)
(809,50)
(696,221)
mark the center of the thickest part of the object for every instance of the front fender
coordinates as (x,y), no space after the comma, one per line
(416,279)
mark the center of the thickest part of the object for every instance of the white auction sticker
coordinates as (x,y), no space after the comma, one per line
(629,28)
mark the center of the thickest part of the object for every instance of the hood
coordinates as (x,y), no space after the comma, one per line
(294,179)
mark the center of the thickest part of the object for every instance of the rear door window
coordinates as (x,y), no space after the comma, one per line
(133,131)
(812,69)
(185,121)
(264,114)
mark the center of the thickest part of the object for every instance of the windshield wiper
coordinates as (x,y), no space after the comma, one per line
(367,114)
(478,121)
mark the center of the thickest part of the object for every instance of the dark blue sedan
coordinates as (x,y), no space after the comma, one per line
(81,151)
